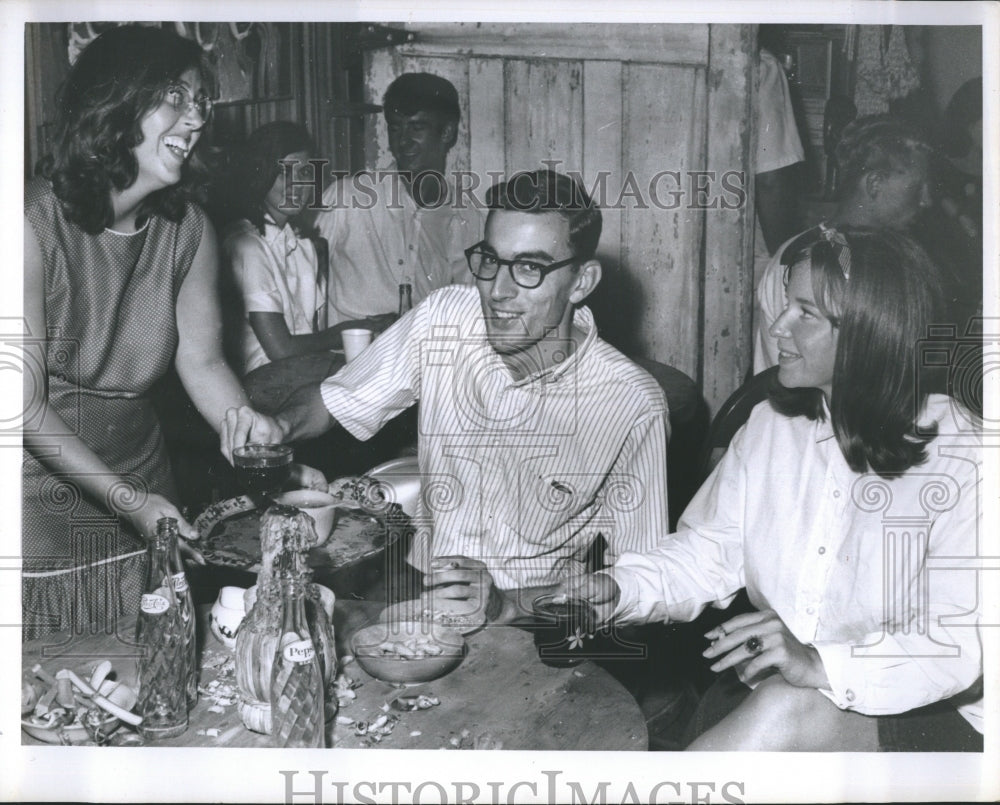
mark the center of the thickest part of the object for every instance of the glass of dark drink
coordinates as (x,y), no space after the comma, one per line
(262,469)
(563,628)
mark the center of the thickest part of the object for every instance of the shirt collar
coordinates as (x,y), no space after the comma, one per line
(584,319)
(274,234)
(824,427)
(408,202)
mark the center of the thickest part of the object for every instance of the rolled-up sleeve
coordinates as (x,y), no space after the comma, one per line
(383,381)
(251,268)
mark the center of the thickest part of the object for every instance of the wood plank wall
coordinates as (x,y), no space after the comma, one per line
(619,105)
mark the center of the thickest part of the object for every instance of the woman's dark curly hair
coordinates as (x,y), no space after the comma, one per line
(882,311)
(257,163)
(117,79)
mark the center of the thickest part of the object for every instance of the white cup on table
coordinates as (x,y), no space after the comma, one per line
(355,342)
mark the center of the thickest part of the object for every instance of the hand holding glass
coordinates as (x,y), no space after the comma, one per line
(262,469)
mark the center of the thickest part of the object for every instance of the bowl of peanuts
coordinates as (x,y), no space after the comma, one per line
(408,652)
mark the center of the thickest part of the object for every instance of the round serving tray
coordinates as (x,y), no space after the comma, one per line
(229,535)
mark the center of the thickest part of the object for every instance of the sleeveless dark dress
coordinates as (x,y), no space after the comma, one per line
(110,305)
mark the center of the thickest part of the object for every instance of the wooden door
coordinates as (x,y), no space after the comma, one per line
(646,115)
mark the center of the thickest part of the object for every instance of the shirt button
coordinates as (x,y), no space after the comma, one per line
(822,550)
(849,695)
(810,610)
(401,261)
(836,493)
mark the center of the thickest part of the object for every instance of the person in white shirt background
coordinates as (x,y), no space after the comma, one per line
(272,262)
(403,223)
(834,507)
(779,161)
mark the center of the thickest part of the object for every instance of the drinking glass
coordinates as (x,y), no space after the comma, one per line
(564,627)
(262,470)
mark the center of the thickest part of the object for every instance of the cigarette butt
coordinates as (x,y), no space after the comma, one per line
(42,674)
(64,693)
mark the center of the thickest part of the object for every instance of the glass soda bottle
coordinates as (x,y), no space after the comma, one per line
(405,296)
(185,601)
(297,709)
(323,639)
(162,665)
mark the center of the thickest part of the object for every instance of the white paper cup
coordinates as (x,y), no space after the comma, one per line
(355,342)
(322,507)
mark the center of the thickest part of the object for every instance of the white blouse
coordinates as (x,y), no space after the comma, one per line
(276,273)
(880,576)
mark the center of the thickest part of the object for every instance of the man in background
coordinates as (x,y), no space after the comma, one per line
(402,224)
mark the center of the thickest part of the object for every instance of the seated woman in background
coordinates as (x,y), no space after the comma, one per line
(834,507)
(120,269)
(272,260)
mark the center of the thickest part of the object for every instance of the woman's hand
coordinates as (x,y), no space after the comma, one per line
(143,520)
(759,641)
(309,478)
(244,424)
(599,589)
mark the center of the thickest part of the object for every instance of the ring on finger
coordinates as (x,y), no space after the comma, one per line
(754,645)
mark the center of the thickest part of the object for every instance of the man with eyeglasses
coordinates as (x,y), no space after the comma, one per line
(536,437)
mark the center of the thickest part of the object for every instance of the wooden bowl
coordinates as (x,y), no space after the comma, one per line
(408,652)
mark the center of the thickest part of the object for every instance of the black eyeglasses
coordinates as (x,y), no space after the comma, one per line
(526,273)
(179,98)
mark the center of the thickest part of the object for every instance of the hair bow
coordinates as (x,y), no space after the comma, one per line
(840,247)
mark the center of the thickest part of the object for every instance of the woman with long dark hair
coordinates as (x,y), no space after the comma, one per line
(848,507)
(120,281)
(272,260)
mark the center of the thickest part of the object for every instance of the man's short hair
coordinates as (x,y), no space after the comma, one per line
(548,191)
(421,92)
(881,143)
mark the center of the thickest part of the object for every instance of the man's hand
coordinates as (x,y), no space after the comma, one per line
(244,424)
(599,589)
(459,578)
(758,642)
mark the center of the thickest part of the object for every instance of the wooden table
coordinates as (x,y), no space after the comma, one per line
(501,696)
